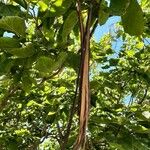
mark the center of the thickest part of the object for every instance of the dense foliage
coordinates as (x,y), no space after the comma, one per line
(39,65)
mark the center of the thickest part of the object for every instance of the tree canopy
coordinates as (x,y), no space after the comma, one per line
(61,89)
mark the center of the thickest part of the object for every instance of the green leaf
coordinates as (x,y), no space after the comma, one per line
(13,24)
(12,145)
(113,62)
(26,83)
(73,60)
(118,7)
(132,20)
(24,52)
(103,14)
(6,42)
(59,7)
(69,24)
(5,66)
(1,32)
(126,143)
(116,146)
(44,64)
(139,145)
(140,129)
(60,60)
(50,118)
(9,10)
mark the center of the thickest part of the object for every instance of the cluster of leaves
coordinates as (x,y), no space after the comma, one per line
(39,64)
(120,96)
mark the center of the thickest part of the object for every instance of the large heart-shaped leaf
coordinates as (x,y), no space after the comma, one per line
(103,14)
(14,24)
(118,7)
(7,42)
(132,20)
(46,65)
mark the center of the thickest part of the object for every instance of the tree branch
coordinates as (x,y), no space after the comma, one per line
(81,25)
(84,97)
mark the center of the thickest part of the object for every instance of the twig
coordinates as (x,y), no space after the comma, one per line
(72,111)
(94,27)
(145,94)
(147,41)
(59,131)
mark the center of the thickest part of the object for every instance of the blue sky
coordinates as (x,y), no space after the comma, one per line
(104,29)
(110,25)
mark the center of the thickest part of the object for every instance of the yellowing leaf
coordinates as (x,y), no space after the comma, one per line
(145,4)
(51,113)
(42,6)
(140,45)
(62,90)
(58,3)
(130,53)
(33,103)
(30,103)
(21,132)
